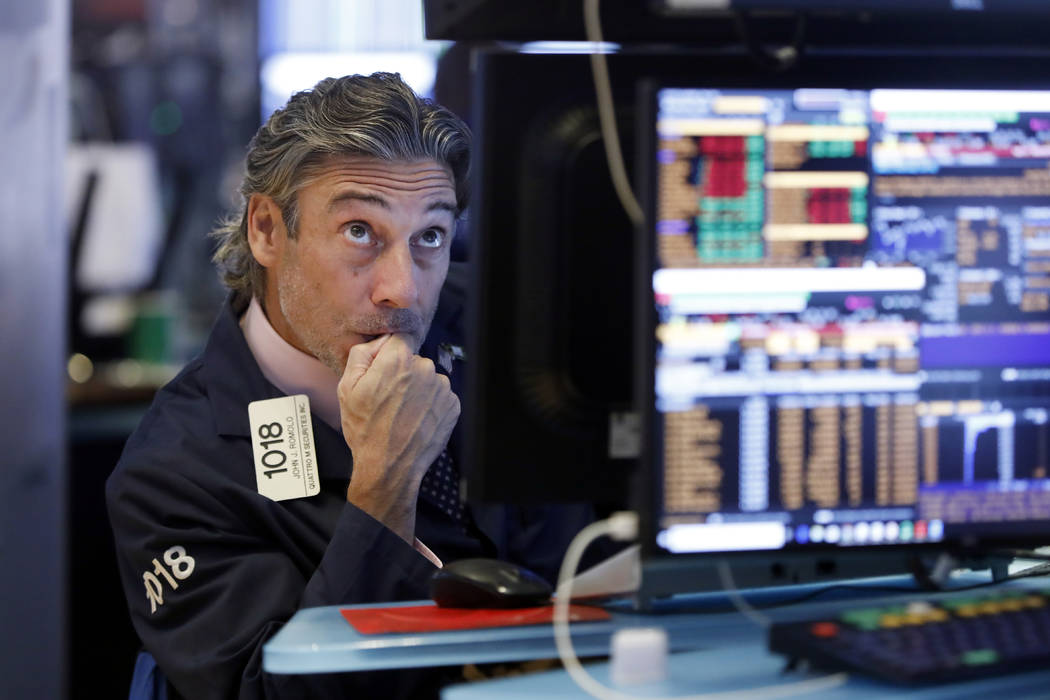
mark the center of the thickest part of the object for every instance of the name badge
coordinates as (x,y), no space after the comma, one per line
(283,447)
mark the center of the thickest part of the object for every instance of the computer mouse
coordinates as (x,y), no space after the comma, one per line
(488,583)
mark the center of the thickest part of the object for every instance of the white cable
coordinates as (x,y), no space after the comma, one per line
(576,671)
(607,115)
(729,586)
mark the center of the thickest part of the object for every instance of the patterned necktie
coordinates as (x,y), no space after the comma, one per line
(440,486)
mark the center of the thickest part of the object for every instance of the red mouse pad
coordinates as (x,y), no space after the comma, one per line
(431,618)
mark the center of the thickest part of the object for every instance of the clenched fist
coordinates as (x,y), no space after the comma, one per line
(397,414)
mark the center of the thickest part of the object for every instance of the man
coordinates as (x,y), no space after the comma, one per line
(336,266)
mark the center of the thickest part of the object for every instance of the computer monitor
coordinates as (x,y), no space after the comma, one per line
(845,348)
(549,367)
(563,319)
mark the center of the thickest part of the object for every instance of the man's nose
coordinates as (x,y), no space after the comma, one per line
(394,284)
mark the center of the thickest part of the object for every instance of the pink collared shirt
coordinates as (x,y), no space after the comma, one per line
(294,372)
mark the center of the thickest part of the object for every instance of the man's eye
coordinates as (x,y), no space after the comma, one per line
(432,238)
(358,233)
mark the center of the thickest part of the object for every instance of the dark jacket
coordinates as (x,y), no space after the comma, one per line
(212,569)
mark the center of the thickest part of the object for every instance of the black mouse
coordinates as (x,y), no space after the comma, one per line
(487,583)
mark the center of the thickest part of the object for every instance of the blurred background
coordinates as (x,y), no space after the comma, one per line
(123,125)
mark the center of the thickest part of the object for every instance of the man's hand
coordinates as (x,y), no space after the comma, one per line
(397,415)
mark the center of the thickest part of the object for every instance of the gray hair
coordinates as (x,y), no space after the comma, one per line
(376,115)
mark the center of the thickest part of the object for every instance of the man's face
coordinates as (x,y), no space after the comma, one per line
(370,257)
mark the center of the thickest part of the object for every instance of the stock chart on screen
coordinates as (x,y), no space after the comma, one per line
(853,313)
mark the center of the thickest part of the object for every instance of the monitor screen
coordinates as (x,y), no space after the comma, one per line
(848,337)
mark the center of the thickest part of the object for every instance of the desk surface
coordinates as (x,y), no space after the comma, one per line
(745,666)
(319,640)
(734,659)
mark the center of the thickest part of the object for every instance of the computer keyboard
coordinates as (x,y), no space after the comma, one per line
(927,640)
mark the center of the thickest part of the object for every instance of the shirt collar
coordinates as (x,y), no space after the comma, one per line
(288,368)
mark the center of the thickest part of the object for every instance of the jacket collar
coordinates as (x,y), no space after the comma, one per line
(232,377)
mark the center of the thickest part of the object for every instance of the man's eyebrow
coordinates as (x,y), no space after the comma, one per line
(442,205)
(358,197)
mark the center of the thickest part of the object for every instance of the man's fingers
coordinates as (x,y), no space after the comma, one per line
(404,342)
(395,354)
(360,359)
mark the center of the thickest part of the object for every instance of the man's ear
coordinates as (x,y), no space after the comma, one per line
(267,235)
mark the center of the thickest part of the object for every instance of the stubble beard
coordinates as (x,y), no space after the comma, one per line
(296,299)
(320,333)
